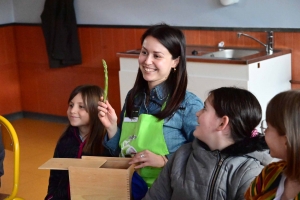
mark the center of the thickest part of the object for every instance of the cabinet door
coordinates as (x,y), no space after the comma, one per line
(126,80)
(200,86)
(127,75)
(203,77)
(268,78)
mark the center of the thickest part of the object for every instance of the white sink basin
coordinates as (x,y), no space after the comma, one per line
(230,53)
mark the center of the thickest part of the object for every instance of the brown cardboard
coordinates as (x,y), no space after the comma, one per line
(110,181)
(65,163)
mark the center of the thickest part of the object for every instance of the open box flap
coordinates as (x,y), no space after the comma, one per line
(112,162)
(65,163)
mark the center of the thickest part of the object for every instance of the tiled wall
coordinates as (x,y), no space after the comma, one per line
(27,83)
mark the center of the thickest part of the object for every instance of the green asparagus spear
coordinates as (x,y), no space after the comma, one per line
(105,81)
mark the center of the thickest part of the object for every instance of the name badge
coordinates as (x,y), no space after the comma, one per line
(127,119)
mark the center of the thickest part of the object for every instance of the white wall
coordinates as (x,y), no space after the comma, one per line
(28,11)
(6,12)
(188,13)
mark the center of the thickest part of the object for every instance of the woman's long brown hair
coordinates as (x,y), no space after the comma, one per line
(283,113)
(172,39)
(91,94)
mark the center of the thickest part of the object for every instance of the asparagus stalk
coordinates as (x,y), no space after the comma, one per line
(105,80)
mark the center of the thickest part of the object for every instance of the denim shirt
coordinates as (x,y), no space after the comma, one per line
(178,129)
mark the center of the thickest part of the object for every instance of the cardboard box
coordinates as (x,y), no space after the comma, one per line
(96,178)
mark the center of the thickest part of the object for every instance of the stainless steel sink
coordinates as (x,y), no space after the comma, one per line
(230,53)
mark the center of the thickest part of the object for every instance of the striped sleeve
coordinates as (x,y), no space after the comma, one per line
(265,185)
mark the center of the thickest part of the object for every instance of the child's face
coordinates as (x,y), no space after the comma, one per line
(208,123)
(276,143)
(77,113)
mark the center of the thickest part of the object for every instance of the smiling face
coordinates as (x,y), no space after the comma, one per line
(208,124)
(77,113)
(155,62)
(276,143)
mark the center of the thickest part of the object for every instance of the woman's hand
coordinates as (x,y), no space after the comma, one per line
(108,117)
(147,158)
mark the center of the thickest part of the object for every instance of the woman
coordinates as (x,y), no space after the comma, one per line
(159,113)
(281,180)
(83,136)
(226,155)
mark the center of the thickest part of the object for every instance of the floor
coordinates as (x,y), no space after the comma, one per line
(37,141)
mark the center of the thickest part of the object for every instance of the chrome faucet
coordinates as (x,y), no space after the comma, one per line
(268,45)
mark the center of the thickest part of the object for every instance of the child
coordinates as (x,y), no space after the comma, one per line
(83,136)
(281,180)
(226,155)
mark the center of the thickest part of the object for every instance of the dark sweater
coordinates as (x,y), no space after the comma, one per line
(68,146)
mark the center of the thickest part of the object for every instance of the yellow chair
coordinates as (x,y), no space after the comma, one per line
(11,142)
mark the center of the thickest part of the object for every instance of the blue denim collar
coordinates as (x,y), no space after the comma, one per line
(161,91)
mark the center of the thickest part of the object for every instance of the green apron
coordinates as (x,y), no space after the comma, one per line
(144,133)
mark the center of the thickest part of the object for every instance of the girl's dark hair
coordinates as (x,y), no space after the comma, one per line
(283,113)
(173,40)
(240,106)
(91,95)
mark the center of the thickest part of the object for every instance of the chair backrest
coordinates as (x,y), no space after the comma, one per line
(11,141)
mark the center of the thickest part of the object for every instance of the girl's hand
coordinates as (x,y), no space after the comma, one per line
(147,158)
(108,117)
